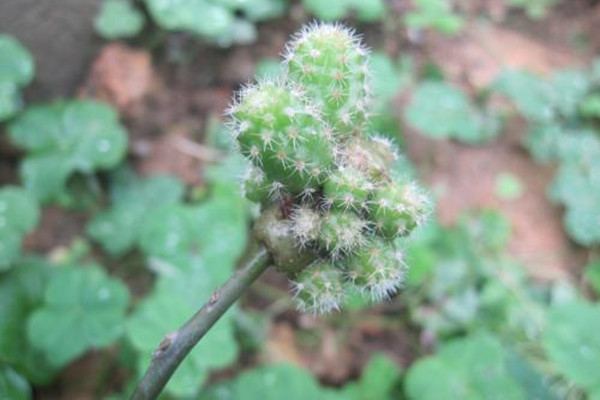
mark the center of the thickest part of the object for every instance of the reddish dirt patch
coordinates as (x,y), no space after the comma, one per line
(120,76)
(464,178)
(483,50)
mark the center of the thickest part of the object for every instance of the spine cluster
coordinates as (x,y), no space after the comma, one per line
(315,159)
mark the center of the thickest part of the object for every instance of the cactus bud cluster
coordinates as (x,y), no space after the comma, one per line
(322,177)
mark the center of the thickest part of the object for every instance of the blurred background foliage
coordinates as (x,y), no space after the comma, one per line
(120,206)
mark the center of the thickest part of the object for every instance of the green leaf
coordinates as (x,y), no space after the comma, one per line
(579,190)
(378,381)
(83,309)
(531,94)
(133,200)
(118,19)
(194,249)
(435,14)
(470,368)
(386,79)
(10,100)
(19,214)
(196,16)
(572,342)
(16,64)
(368,10)
(162,313)
(535,385)
(215,231)
(592,275)
(66,137)
(272,382)
(16,71)
(269,68)
(327,10)
(21,292)
(590,106)
(255,10)
(439,110)
(12,385)
(569,88)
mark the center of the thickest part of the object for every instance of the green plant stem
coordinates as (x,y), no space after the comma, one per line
(176,346)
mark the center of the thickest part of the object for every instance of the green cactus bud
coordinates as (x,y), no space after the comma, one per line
(330,63)
(341,232)
(348,188)
(397,209)
(256,186)
(306,224)
(377,270)
(282,136)
(319,289)
(374,157)
(331,205)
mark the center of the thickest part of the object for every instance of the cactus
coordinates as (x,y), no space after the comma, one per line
(333,210)
(315,159)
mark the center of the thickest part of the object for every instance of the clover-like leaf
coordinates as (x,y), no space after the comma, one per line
(255,10)
(572,342)
(435,14)
(201,17)
(19,214)
(439,110)
(163,312)
(133,200)
(387,80)
(83,309)
(66,137)
(271,382)
(379,380)
(118,19)
(214,231)
(16,71)
(12,385)
(470,368)
(193,249)
(592,275)
(579,190)
(21,292)
(531,94)
(366,10)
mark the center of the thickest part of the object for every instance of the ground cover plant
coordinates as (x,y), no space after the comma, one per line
(391,226)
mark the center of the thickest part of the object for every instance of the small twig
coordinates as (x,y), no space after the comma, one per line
(197,150)
(176,346)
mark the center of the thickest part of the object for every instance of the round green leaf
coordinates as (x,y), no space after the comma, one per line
(439,110)
(196,16)
(63,138)
(83,309)
(12,385)
(327,10)
(21,292)
(472,368)
(118,19)
(18,210)
(573,344)
(10,100)
(118,228)
(16,64)
(19,214)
